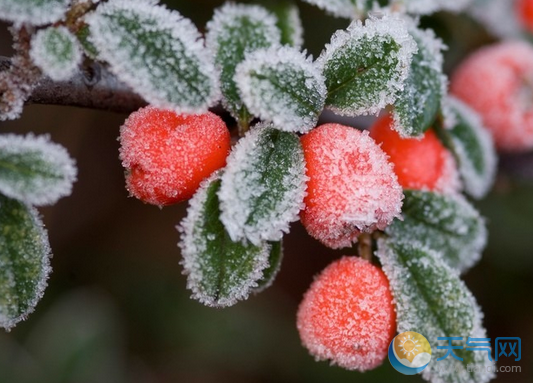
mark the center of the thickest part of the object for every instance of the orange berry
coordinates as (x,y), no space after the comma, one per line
(423,164)
(497,82)
(347,315)
(524,12)
(351,188)
(168,155)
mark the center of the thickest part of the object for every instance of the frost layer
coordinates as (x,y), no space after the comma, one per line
(431,299)
(347,315)
(36,12)
(219,272)
(56,52)
(352,187)
(282,86)
(366,66)
(157,52)
(24,261)
(263,185)
(35,170)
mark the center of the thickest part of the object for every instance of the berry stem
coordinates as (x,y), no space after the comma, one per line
(364,246)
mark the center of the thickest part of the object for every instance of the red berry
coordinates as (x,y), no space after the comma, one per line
(497,82)
(169,154)
(347,315)
(422,164)
(524,12)
(351,186)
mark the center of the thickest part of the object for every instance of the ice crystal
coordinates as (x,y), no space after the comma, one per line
(24,261)
(366,66)
(263,185)
(431,300)
(220,272)
(36,12)
(35,170)
(56,52)
(157,52)
(282,86)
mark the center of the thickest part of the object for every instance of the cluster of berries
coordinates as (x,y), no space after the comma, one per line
(355,182)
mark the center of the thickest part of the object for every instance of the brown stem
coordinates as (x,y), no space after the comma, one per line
(94,87)
(364,246)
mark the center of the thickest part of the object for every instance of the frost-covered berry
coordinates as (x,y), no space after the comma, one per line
(420,163)
(167,155)
(524,13)
(352,187)
(496,81)
(347,315)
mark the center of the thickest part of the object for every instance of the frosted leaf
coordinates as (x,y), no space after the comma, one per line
(157,52)
(289,22)
(56,52)
(274,265)
(447,224)
(35,170)
(24,261)
(351,9)
(474,148)
(235,31)
(35,12)
(425,7)
(419,102)
(282,86)
(431,300)
(219,272)
(490,14)
(263,185)
(366,66)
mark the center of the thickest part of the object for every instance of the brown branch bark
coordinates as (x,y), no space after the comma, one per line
(94,87)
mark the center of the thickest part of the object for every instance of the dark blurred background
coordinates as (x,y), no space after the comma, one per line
(116,309)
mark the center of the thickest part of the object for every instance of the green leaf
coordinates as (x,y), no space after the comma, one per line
(282,86)
(366,66)
(35,12)
(35,170)
(220,271)
(289,22)
(351,9)
(445,223)
(473,148)
(419,102)
(88,47)
(55,50)
(274,265)
(157,52)
(431,299)
(24,261)
(234,31)
(263,185)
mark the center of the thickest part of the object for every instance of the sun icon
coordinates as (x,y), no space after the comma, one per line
(408,346)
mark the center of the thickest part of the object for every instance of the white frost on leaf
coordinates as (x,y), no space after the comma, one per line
(283,86)
(351,9)
(360,62)
(219,272)
(297,30)
(425,7)
(431,300)
(263,185)
(35,170)
(34,12)
(55,50)
(235,31)
(157,52)
(24,261)
(478,169)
